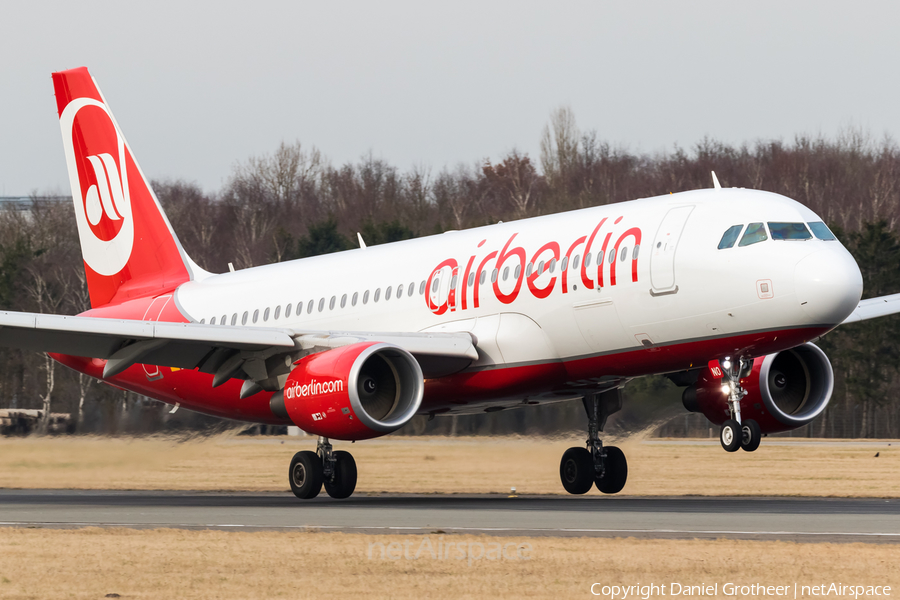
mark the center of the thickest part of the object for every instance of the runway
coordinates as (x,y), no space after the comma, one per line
(792,519)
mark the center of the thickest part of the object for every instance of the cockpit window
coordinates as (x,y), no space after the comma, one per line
(821,231)
(789,231)
(756,232)
(730,237)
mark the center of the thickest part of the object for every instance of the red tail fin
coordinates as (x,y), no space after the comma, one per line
(128,245)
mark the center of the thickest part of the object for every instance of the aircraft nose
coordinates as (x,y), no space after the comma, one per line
(828,285)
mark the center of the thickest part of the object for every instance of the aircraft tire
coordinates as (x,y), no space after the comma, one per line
(305,475)
(344,481)
(576,470)
(751,435)
(615,471)
(730,435)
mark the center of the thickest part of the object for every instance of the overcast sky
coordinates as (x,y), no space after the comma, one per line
(197,87)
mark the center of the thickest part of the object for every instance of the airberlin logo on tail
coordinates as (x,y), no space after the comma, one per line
(107,196)
(95,157)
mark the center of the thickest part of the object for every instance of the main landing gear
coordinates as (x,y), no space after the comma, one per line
(603,466)
(336,470)
(736,433)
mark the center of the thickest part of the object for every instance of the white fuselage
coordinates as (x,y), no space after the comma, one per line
(676,288)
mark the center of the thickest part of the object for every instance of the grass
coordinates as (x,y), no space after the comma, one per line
(447,465)
(167,563)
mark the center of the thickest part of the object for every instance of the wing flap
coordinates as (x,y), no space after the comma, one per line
(225,351)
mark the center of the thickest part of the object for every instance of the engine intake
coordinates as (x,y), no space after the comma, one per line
(795,385)
(355,392)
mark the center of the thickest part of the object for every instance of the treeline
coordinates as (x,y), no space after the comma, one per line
(295,203)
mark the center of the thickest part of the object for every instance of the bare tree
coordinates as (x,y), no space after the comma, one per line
(559,145)
(514,181)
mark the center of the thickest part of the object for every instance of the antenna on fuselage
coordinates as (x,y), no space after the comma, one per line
(362,244)
(716,183)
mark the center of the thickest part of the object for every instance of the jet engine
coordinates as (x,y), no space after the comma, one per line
(784,390)
(355,392)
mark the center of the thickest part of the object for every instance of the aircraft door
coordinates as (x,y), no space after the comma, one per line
(154,311)
(662,253)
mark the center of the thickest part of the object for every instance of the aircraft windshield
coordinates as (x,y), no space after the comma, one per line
(789,231)
(730,237)
(756,232)
(821,231)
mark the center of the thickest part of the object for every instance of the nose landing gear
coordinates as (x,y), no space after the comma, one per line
(603,466)
(736,433)
(309,471)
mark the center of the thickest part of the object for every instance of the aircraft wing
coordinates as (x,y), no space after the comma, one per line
(241,352)
(872,308)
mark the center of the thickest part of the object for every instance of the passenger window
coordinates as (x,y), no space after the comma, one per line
(266,314)
(789,231)
(321,304)
(494,276)
(483,276)
(612,256)
(343,300)
(756,232)
(471,280)
(453,282)
(366,297)
(377,294)
(400,291)
(553,264)
(387,292)
(517,272)
(255,315)
(412,287)
(212,321)
(587,261)
(821,231)
(331,302)
(422,287)
(730,237)
(203,321)
(565,263)
(287,310)
(309,307)
(624,254)
(244,318)
(278,312)
(434,286)
(225,319)
(505,273)
(354,298)
(528,269)
(575,262)
(635,253)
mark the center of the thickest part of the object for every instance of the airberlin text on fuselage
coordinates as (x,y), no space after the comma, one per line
(515,257)
(313,388)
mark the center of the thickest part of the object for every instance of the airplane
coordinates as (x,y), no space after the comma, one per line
(721,290)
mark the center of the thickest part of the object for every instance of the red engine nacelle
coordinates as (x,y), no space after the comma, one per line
(785,390)
(355,392)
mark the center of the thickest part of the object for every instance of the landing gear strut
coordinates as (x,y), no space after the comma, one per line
(603,466)
(336,470)
(736,433)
